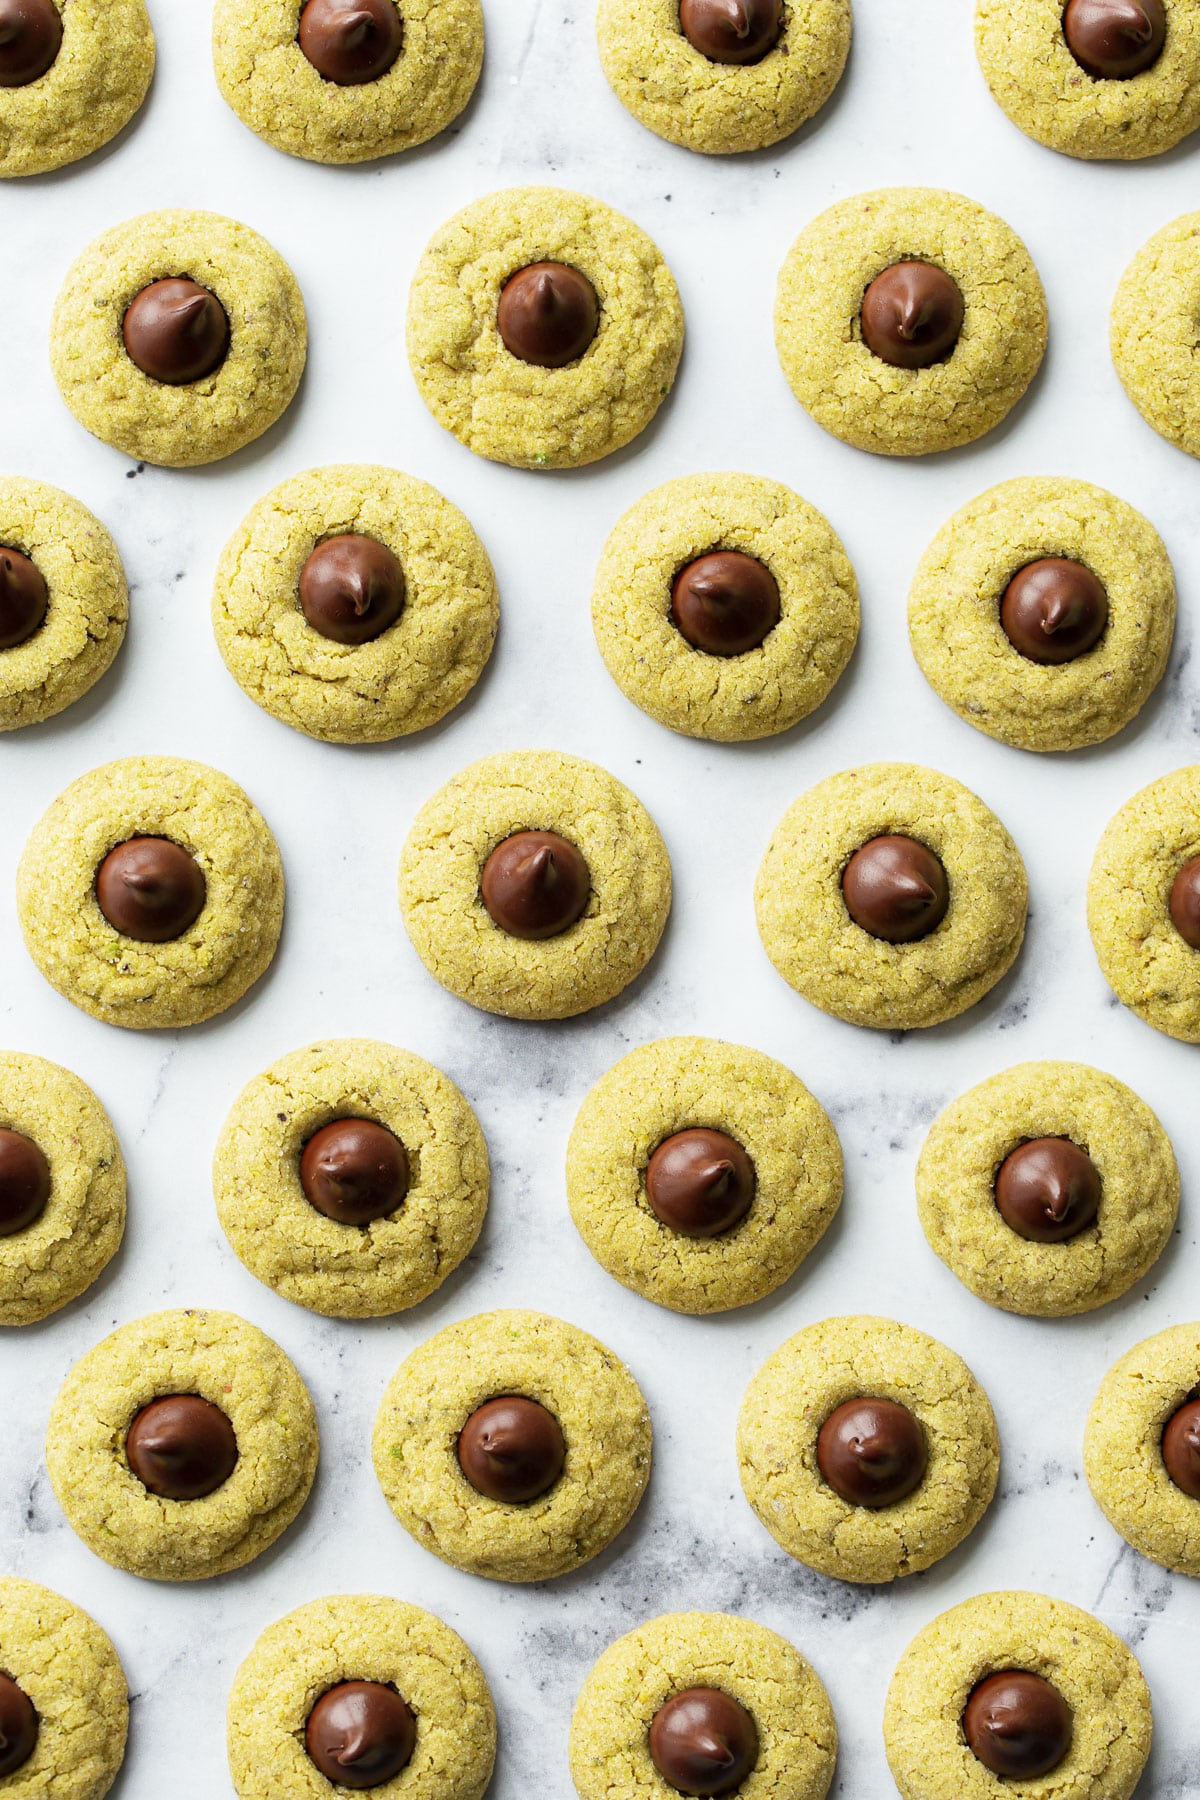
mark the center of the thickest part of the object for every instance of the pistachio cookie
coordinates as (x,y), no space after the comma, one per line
(891,896)
(62,1188)
(72,74)
(151,893)
(337,83)
(182,1445)
(867,1449)
(352,1178)
(701,1174)
(1141,1450)
(1043,613)
(360,1691)
(1006,1690)
(1048,1190)
(355,604)
(718,78)
(1102,78)
(534,885)
(702,1703)
(544,329)
(1144,904)
(513,1445)
(1153,331)
(909,320)
(725,606)
(178,337)
(64,1704)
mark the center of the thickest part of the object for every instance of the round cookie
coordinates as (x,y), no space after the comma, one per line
(360,1637)
(68,1670)
(692,1084)
(903,411)
(1153,330)
(179,424)
(1130,1152)
(110,974)
(1094,1672)
(65,1248)
(518,412)
(1123,1448)
(820,949)
(759,691)
(1051,96)
(343,1269)
(90,91)
(601,1415)
(409,675)
(273,87)
(235,1368)
(761,1671)
(967,656)
(583,965)
(689,98)
(1145,959)
(82,589)
(831,1365)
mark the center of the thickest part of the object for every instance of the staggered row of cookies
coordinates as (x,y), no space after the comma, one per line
(336,83)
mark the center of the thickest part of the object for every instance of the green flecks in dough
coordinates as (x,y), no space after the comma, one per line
(512,411)
(610,1757)
(820,951)
(908,412)
(348,1271)
(956,1177)
(597,1403)
(64,1662)
(92,89)
(1122,1448)
(273,88)
(954,613)
(727,699)
(790,1399)
(534,790)
(1154,333)
(679,1084)
(717,107)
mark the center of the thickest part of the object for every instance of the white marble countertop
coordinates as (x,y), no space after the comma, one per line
(913,108)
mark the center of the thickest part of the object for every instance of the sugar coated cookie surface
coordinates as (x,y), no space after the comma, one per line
(95,83)
(69,1674)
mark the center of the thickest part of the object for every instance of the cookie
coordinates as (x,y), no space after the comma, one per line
(783,627)
(1153,1503)
(1043,70)
(1143,904)
(320,1225)
(701,1174)
(356,604)
(714,103)
(891,896)
(305,93)
(151,893)
(1153,329)
(801,1430)
(218,1426)
(80,77)
(1105,1694)
(586,299)
(66,1705)
(1049,1189)
(1043,613)
(617,1754)
(551,1426)
(955,320)
(534,885)
(64,602)
(178,337)
(373,1642)
(62,1188)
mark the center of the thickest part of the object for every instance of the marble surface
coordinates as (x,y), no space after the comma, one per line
(913,108)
